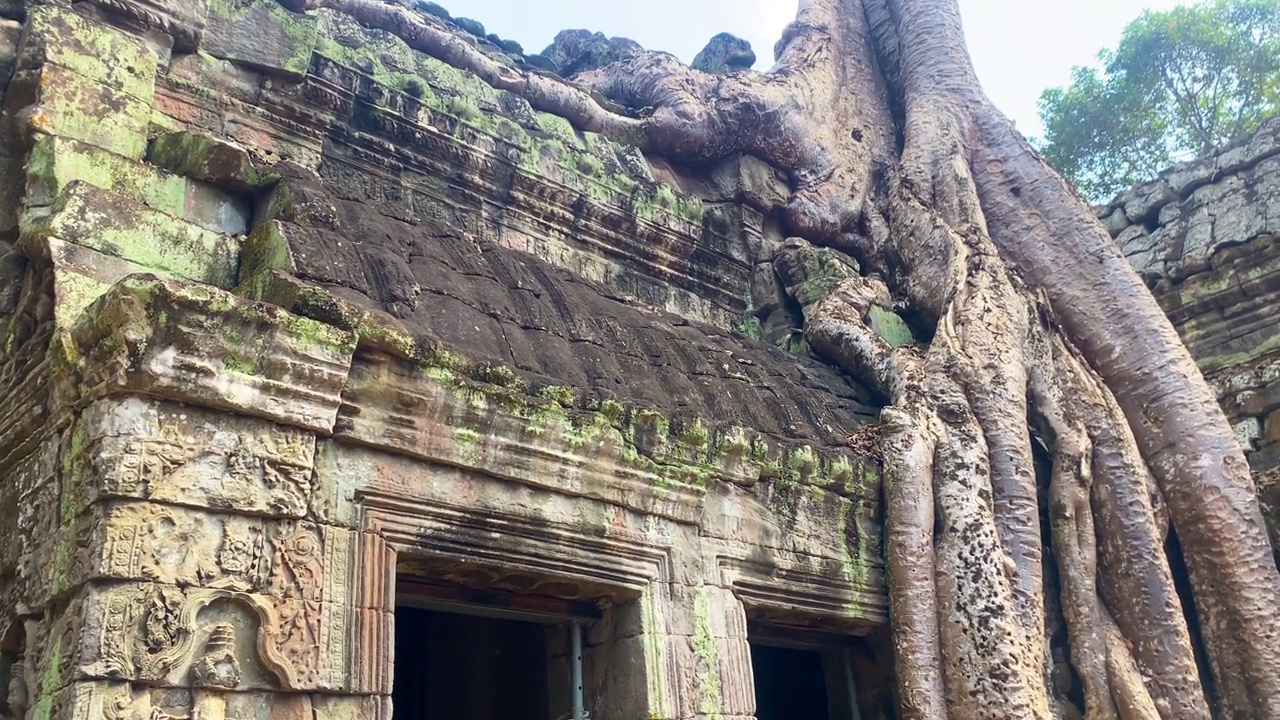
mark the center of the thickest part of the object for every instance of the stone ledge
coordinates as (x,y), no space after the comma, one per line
(114,225)
(56,162)
(204,346)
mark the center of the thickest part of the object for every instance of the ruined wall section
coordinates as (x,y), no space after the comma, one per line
(1206,236)
(288,309)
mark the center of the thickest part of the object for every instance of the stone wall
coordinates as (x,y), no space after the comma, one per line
(1206,236)
(289,309)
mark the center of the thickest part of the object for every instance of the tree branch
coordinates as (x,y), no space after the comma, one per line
(543,93)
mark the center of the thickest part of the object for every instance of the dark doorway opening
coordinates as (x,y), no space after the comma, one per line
(451,665)
(790,683)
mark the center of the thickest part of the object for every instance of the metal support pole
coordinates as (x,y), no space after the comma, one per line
(575,663)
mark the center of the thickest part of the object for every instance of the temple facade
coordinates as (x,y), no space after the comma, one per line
(335,382)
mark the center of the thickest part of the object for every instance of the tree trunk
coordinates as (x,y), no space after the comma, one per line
(1037,326)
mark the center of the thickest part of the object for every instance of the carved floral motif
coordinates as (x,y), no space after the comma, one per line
(297,583)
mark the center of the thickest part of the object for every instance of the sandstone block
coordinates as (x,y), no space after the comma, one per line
(64,103)
(202,346)
(174,637)
(144,449)
(56,162)
(184,20)
(749,179)
(262,34)
(127,229)
(91,49)
(206,158)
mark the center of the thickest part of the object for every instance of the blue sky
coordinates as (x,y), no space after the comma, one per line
(1019,47)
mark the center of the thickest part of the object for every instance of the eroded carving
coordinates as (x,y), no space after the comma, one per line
(160,543)
(241,556)
(182,546)
(164,634)
(13,674)
(218,666)
(155,451)
(297,584)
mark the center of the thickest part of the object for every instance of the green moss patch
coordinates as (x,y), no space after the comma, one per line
(123,228)
(91,49)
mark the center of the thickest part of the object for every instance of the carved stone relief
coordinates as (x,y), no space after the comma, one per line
(179,546)
(166,452)
(173,638)
(30,494)
(218,666)
(13,671)
(297,582)
(266,590)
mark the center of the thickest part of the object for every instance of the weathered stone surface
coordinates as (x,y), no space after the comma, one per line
(748,179)
(135,448)
(184,20)
(261,34)
(64,103)
(542,325)
(209,159)
(55,162)
(1175,225)
(725,53)
(114,225)
(518,348)
(200,345)
(81,275)
(10,32)
(55,35)
(162,634)
(576,51)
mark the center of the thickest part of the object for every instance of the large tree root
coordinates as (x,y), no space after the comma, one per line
(1034,320)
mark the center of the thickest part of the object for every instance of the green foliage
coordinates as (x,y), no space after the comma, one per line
(1181,83)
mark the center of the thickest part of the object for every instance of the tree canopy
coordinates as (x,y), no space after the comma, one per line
(1181,83)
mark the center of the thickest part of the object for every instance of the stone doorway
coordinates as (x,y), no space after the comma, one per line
(462,653)
(803,675)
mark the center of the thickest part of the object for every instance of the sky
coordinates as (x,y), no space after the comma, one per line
(1019,47)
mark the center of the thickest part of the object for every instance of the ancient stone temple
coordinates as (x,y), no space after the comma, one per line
(335,381)
(1206,236)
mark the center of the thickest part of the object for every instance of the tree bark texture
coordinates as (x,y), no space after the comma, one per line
(1039,332)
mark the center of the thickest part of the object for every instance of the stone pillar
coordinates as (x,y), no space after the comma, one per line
(184,570)
(678,652)
(191,568)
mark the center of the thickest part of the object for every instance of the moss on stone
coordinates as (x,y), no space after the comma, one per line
(1212,363)
(56,162)
(74,106)
(92,49)
(210,159)
(284,40)
(266,249)
(549,146)
(73,292)
(117,226)
(890,327)
(684,453)
(706,652)
(53,679)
